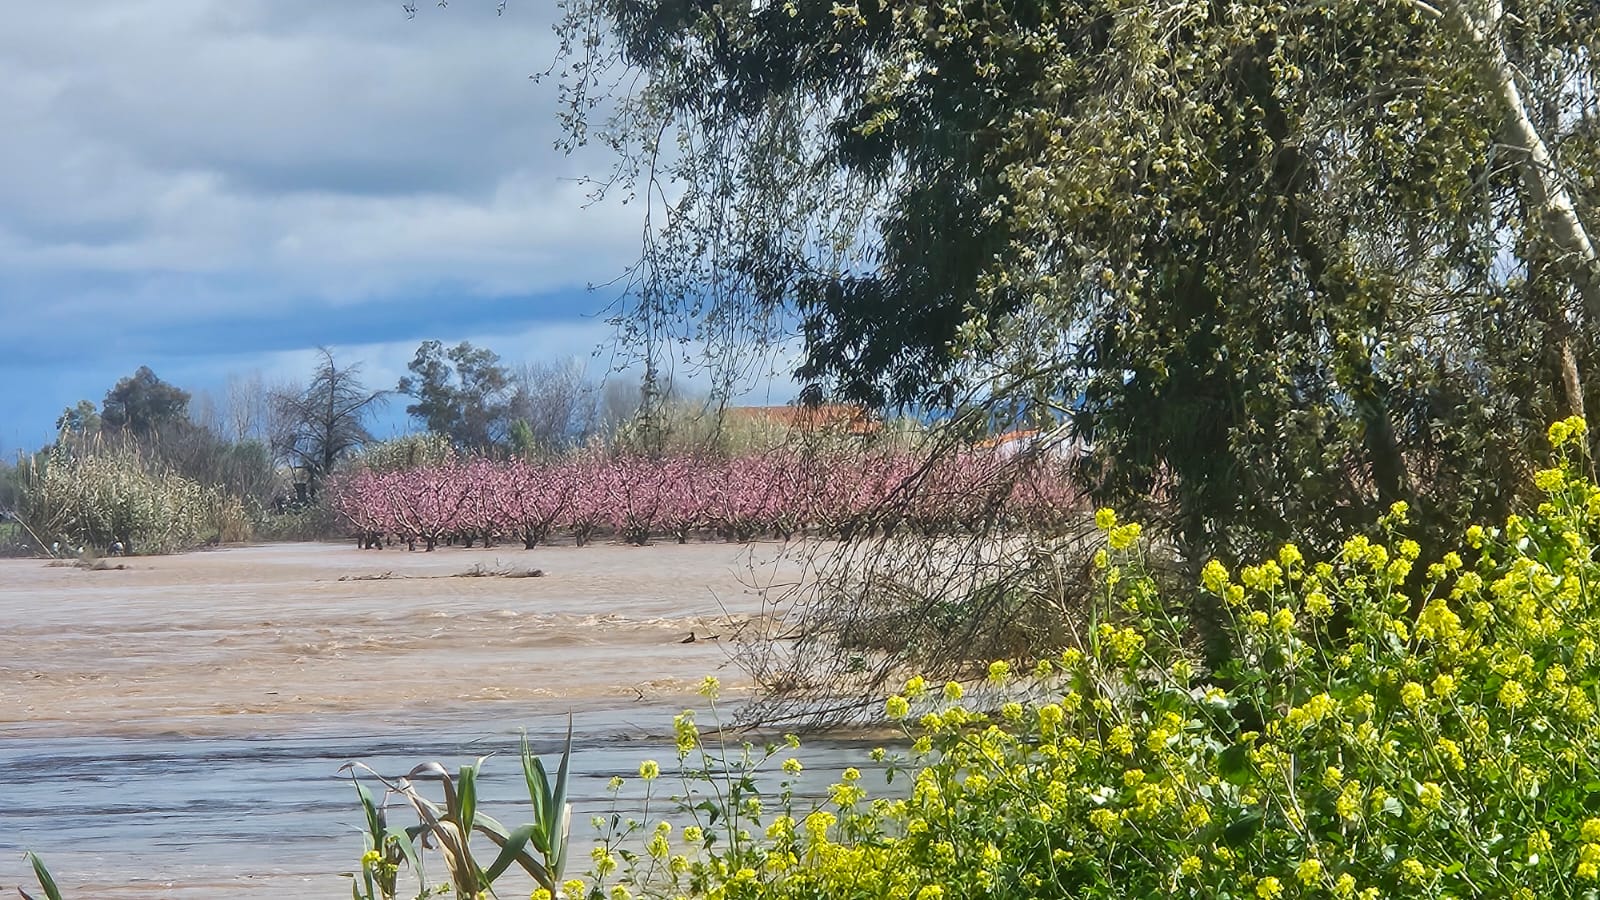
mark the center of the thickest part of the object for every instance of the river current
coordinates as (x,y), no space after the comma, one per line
(176,728)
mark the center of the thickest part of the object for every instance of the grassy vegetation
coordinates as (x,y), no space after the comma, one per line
(15,540)
(1387,726)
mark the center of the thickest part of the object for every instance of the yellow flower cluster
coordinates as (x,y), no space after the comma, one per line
(1374,726)
(688,736)
(1567,430)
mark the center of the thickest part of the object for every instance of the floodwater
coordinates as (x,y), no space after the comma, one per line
(175,729)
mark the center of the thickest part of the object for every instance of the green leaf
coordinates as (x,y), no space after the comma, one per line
(375,817)
(405,839)
(42,873)
(467,787)
(512,846)
(558,803)
(1242,829)
(1233,764)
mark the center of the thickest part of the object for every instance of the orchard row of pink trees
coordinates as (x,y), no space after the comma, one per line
(740,499)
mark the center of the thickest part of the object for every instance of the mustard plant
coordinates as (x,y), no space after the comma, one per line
(1388,726)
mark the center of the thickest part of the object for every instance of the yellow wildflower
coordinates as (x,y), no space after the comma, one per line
(1413,695)
(1309,871)
(1124,536)
(710,688)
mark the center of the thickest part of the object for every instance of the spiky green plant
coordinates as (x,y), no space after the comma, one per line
(538,847)
(46,882)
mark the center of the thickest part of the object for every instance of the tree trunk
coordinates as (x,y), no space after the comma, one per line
(1548,197)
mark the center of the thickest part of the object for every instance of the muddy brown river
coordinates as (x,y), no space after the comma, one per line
(175,729)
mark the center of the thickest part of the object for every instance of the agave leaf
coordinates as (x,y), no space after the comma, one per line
(467,797)
(511,851)
(46,883)
(559,808)
(558,860)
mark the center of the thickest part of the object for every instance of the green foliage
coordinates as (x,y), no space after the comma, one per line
(47,883)
(1280,264)
(82,419)
(408,452)
(385,848)
(538,848)
(10,486)
(1376,735)
(244,470)
(463,393)
(149,418)
(94,496)
(313,521)
(699,426)
(142,404)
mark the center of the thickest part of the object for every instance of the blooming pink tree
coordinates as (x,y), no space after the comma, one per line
(835,494)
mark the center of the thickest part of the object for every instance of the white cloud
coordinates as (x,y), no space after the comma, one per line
(292,142)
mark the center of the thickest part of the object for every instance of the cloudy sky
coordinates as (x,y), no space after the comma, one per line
(216,187)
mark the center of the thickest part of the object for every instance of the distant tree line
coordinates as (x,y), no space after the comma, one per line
(273,447)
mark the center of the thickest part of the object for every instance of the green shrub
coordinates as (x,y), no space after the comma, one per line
(312,522)
(406,452)
(1387,728)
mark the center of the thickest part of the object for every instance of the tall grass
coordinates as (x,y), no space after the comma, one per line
(93,496)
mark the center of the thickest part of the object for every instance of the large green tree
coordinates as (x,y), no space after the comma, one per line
(1280,263)
(462,392)
(142,404)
